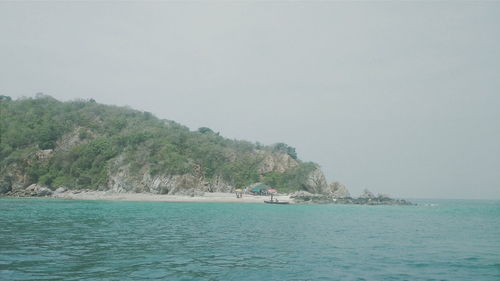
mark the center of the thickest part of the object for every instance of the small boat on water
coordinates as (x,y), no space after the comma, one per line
(276,202)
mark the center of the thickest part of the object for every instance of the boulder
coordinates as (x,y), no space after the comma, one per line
(61,189)
(339,190)
(38,190)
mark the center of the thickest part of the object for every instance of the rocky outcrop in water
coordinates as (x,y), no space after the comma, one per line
(303,197)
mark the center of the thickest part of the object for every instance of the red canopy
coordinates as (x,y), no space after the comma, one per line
(272,190)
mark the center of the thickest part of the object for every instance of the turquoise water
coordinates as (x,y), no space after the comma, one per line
(96,240)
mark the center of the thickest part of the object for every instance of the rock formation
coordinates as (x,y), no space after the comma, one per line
(316,182)
(275,162)
(367,194)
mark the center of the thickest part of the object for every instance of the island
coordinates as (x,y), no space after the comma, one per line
(85,150)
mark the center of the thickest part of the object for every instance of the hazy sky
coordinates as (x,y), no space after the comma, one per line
(400,98)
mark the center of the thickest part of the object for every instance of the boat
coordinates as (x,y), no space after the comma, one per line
(276,202)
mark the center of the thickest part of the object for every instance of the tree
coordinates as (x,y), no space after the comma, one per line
(284,148)
(205,130)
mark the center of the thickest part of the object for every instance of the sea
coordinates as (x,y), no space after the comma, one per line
(53,239)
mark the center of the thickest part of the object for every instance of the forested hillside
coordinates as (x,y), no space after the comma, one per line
(83,144)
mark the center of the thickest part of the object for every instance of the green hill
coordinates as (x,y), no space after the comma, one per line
(85,145)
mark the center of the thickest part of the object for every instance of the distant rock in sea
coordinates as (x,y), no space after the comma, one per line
(367,198)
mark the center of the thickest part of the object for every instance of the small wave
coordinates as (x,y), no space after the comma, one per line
(429,204)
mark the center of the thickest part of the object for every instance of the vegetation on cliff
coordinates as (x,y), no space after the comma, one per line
(76,144)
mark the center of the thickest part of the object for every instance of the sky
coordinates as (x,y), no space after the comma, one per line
(401,98)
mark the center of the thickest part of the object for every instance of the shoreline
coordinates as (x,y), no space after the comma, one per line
(215,197)
(35,191)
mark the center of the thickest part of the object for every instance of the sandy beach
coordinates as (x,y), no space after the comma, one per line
(207,197)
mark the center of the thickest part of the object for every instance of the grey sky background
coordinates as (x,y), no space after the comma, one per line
(400,98)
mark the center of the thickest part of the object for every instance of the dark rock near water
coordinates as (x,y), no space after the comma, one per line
(34,190)
(367,195)
(367,199)
(39,190)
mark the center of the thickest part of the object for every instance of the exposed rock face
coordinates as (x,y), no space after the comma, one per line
(72,139)
(38,190)
(339,190)
(316,182)
(44,155)
(178,184)
(275,162)
(218,185)
(123,180)
(13,179)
